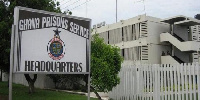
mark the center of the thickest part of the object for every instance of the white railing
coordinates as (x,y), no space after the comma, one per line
(158,82)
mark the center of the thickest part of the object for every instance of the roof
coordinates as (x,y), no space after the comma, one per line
(181,20)
(188,22)
(174,19)
(131,21)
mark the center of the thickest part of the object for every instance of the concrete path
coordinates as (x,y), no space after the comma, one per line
(103,95)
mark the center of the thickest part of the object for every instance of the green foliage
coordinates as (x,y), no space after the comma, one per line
(6,21)
(67,12)
(182,87)
(56,78)
(105,65)
(5,29)
(60,80)
(20,93)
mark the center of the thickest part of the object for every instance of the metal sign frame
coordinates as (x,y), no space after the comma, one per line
(16,43)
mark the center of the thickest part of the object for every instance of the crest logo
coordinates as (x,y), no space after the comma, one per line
(56,47)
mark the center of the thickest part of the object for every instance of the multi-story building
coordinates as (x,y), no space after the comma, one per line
(145,39)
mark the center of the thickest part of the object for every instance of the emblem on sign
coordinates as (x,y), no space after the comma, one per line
(55,47)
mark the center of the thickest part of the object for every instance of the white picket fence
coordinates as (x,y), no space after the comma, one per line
(158,82)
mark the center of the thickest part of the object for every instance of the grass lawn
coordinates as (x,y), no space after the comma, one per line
(20,92)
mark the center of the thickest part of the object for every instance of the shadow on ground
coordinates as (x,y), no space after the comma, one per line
(3,97)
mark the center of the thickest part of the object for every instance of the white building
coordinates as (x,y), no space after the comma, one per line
(145,39)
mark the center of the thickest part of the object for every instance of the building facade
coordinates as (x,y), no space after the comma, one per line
(146,39)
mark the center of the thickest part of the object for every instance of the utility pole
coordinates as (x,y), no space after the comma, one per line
(86,9)
(116,11)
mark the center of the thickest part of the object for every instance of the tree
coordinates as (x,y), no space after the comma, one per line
(5,37)
(197,16)
(105,65)
(31,82)
(6,21)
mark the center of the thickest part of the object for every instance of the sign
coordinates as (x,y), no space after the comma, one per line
(47,42)
(99,25)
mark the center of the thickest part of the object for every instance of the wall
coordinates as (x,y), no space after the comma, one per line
(182,31)
(155,29)
(42,80)
(155,52)
(168,60)
(195,33)
(4,77)
(184,56)
(155,48)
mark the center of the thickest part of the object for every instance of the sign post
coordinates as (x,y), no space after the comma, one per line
(88,86)
(50,43)
(11,63)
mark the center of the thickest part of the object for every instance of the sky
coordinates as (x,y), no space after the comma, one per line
(105,10)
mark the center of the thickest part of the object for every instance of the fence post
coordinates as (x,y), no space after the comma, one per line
(156,82)
(198,81)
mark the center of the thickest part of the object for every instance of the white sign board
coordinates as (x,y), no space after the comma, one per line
(47,42)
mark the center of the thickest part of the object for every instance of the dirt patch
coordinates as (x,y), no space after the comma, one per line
(3,97)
